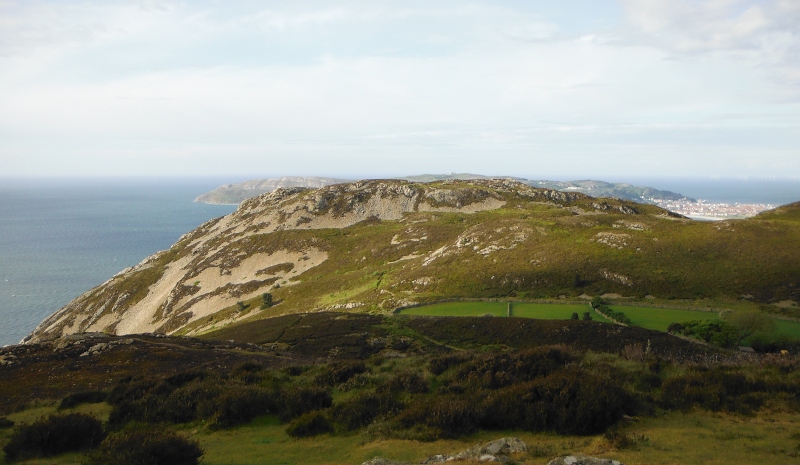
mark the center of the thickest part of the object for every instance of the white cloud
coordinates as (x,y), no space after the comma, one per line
(762,33)
(201,88)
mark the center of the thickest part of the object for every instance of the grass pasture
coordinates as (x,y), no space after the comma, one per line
(523,310)
(655,318)
(660,318)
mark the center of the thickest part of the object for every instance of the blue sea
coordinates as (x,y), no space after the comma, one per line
(60,238)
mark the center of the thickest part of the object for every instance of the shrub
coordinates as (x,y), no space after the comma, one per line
(587,316)
(249,372)
(186,377)
(774,343)
(310,424)
(411,383)
(54,435)
(195,398)
(439,365)
(499,370)
(84,397)
(242,406)
(337,373)
(450,416)
(148,447)
(574,316)
(266,300)
(295,370)
(717,332)
(129,391)
(187,403)
(300,400)
(715,389)
(361,409)
(567,402)
(675,328)
(749,323)
(5,423)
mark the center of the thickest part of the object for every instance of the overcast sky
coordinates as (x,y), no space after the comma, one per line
(567,89)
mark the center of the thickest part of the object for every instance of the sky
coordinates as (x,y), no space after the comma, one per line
(538,89)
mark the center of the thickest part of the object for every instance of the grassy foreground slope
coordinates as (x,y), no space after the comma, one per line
(407,388)
(374,246)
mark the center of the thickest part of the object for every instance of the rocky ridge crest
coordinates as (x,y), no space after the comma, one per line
(228,260)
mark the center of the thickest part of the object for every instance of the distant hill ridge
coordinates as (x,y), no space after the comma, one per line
(237,193)
(375,245)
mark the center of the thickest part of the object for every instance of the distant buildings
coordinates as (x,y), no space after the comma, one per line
(704,209)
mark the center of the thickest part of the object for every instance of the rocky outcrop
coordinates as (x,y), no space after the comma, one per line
(214,275)
(582,460)
(497,451)
(232,194)
(219,264)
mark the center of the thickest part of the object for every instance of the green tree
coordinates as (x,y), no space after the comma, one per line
(749,323)
(266,300)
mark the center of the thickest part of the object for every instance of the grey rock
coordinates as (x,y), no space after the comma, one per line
(494,451)
(582,460)
(383,461)
(504,446)
(96,349)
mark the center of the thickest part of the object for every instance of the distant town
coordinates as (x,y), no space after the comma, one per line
(708,210)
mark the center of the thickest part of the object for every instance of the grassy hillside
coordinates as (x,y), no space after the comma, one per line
(371,247)
(541,251)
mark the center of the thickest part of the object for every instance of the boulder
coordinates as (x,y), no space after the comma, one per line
(494,451)
(383,461)
(582,460)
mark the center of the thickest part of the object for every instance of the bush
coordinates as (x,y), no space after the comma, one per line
(567,402)
(242,406)
(164,402)
(300,400)
(774,343)
(148,447)
(587,316)
(337,373)
(5,423)
(717,332)
(574,316)
(499,370)
(676,328)
(450,416)
(411,383)
(439,365)
(361,409)
(310,424)
(715,389)
(84,397)
(266,300)
(54,435)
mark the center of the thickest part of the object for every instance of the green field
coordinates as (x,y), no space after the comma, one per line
(524,310)
(646,317)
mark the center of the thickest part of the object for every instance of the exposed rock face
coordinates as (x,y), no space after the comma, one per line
(498,451)
(236,193)
(218,264)
(582,460)
(372,246)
